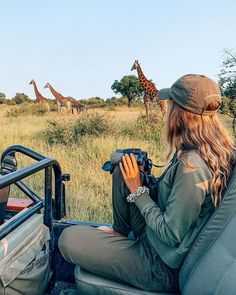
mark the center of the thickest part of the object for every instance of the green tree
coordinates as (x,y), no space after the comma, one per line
(2,97)
(21,98)
(227,83)
(128,86)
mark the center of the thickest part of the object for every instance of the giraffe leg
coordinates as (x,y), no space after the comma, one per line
(68,104)
(46,106)
(58,107)
(163,106)
(154,102)
(147,104)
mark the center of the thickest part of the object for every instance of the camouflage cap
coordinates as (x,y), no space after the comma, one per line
(193,93)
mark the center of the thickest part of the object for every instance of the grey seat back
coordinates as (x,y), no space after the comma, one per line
(210,266)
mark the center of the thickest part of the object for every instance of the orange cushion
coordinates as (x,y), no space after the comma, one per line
(18,204)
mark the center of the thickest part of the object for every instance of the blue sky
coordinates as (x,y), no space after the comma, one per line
(81,47)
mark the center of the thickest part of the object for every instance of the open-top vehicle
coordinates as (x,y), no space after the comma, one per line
(31,263)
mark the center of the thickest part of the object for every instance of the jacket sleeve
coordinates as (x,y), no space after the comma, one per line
(189,189)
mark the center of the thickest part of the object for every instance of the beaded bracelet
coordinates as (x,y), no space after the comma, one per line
(139,192)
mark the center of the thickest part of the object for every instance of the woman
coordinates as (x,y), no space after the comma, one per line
(164,224)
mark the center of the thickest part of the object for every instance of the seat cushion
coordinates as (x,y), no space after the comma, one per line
(88,283)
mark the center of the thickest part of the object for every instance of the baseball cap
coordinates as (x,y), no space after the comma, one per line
(193,93)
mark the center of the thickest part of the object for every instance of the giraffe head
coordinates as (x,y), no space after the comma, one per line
(47,85)
(31,82)
(135,65)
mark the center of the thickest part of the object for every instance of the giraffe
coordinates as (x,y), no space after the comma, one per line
(150,91)
(76,105)
(60,99)
(39,98)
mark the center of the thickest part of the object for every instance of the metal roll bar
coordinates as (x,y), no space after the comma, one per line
(47,164)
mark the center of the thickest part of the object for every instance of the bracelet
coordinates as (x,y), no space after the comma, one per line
(139,192)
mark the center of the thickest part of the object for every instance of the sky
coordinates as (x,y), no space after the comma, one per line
(82,47)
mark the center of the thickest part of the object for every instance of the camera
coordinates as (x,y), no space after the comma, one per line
(116,157)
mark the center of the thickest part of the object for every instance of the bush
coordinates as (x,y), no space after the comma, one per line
(225,106)
(53,105)
(149,129)
(21,98)
(59,133)
(95,102)
(2,97)
(94,124)
(26,109)
(114,101)
(66,134)
(2,100)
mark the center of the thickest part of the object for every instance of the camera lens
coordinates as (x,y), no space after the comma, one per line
(107,166)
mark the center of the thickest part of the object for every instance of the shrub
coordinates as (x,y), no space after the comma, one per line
(67,133)
(95,102)
(2,100)
(53,105)
(2,97)
(114,101)
(94,124)
(149,129)
(59,133)
(21,98)
(26,109)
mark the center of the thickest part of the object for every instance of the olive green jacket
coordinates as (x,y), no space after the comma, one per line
(183,207)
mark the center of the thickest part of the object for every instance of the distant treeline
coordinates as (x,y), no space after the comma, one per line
(92,102)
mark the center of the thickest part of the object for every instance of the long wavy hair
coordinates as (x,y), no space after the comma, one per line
(206,135)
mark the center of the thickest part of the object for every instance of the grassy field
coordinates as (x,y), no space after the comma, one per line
(88,194)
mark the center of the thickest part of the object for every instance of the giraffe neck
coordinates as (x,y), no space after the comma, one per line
(141,76)
(149,86)
(56,94)
(38,95)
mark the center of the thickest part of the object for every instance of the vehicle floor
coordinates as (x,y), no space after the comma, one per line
(63,288)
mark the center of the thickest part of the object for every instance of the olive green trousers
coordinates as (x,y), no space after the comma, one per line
(131,261)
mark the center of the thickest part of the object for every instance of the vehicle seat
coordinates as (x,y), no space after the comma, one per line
(88,283)
(209,268)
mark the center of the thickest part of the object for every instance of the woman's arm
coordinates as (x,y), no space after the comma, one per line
(189,189)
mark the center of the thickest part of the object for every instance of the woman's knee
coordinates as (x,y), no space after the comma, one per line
(118,185)
(72,243)
(116,174)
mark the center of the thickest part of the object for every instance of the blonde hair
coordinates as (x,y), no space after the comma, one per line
(206,135)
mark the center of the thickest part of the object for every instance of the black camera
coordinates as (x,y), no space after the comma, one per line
(116,157)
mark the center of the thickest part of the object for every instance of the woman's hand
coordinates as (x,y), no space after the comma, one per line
(130,171)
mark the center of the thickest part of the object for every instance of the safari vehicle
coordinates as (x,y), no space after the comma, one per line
(31,263)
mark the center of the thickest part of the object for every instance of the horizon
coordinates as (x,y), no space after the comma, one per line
(82,48)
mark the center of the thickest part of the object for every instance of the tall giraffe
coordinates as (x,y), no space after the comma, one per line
(150,91)
(39,98)
(61,100)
